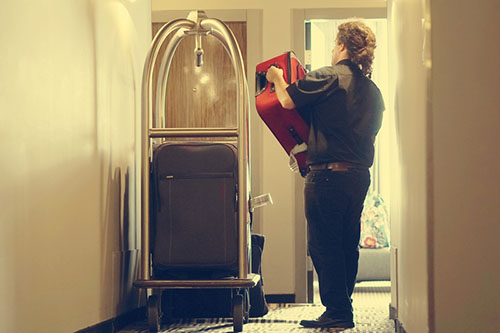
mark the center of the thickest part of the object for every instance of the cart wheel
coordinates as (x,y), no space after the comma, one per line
(153,314)
(238,313)
(246,317)
(246,307)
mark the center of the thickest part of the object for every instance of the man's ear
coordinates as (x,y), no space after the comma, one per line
(341,47)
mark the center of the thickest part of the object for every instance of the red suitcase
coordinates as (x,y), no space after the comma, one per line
(287,125)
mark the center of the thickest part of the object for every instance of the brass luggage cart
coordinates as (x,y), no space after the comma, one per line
(198,24)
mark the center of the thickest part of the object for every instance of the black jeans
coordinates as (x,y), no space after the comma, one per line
(333,204)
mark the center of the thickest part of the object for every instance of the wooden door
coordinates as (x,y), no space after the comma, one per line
(202,96)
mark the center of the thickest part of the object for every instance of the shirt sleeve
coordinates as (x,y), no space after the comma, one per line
(311,87)
(381,101)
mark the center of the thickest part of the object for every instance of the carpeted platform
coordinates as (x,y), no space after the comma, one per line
(371,314)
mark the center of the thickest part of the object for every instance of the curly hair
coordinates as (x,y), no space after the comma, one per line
(360,42)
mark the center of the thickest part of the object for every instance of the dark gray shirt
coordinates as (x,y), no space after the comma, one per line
(344,111)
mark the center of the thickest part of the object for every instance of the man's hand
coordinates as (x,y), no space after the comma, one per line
(273,74)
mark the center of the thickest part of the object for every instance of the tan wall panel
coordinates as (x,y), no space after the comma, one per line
(466,118)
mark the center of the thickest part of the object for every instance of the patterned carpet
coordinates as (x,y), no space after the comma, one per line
(371,314)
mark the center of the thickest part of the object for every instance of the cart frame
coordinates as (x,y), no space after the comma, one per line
(153,126)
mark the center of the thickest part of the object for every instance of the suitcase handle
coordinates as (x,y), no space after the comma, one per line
(260,83)
(295,135)
(299,73)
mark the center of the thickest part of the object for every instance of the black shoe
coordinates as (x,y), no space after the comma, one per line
(325,322)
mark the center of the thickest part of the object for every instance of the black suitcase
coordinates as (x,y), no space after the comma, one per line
(194,211)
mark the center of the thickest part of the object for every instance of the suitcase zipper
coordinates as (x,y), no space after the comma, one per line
(208,175)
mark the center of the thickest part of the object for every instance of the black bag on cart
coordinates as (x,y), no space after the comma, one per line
(194,211)
(258,304)
(214,303)
(196,303)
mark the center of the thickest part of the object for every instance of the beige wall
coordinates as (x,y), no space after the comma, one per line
(466,163)
(269,162)
(69,101)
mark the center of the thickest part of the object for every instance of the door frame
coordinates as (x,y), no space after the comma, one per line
(304,270)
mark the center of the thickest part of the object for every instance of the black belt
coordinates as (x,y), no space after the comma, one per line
(335,166)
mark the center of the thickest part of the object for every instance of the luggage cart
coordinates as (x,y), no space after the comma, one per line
(198,24)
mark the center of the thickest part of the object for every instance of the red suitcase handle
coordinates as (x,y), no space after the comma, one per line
(261,81)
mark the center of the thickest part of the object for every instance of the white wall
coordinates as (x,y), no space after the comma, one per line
(69,101)
(409,207)
(446,98)
(269,162)
(466,163)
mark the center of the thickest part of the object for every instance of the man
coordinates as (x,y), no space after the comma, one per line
(344,110)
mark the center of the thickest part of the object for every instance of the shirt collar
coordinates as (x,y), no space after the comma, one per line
(345,62)
(348,62)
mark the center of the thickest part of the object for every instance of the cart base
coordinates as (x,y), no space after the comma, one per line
(249,282)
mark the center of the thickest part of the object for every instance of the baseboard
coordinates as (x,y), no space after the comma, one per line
(280,298)
(393,312)
(117,323)
(399,326)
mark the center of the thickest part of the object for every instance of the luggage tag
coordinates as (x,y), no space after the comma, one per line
(292,163)
(300,147)
(260,201)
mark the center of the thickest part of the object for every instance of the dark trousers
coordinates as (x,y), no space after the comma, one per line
(333,204)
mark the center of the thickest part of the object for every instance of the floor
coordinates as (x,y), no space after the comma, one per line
(371,314)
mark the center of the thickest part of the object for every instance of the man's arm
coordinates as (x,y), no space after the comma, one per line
(275,76)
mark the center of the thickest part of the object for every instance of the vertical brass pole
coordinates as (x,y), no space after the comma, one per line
(224,34)
(147,79)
